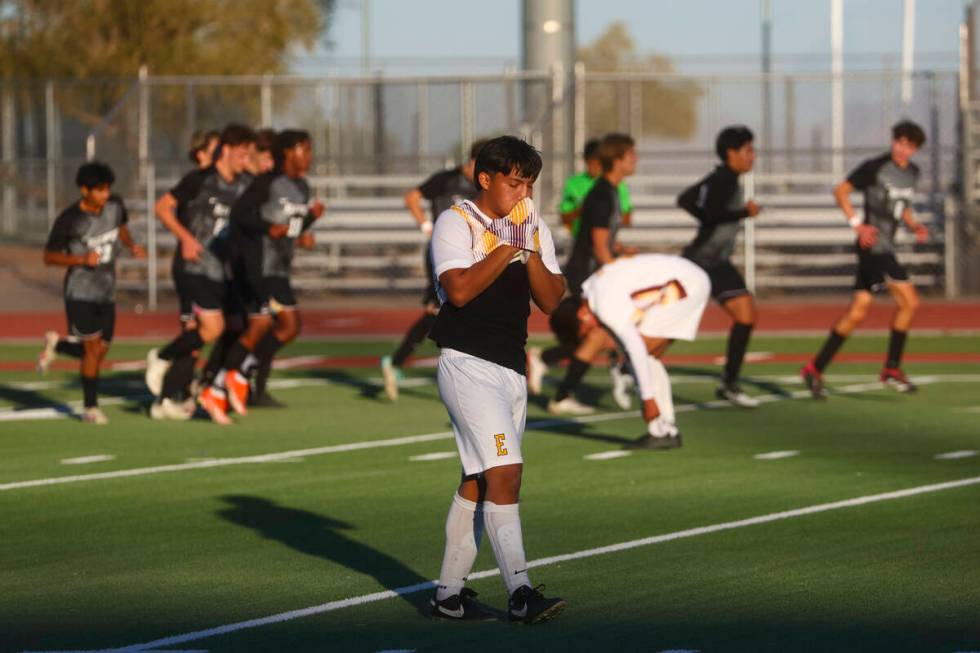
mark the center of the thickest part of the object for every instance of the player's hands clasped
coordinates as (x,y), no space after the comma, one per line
(519,228)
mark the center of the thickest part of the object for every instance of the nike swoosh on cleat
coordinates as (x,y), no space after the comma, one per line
(457,613)
(520,614)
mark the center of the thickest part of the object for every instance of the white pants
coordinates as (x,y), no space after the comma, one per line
(487,404)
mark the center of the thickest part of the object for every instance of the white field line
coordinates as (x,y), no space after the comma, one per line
(341,604)
(85,460)
(776,455)
(609,455)
(956,455)
(542,424)
(438,455)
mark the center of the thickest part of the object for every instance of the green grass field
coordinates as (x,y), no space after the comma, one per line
(207,531)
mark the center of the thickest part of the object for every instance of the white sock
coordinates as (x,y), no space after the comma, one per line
(464,526)
(219,380)
(504,528)
(661,390)
(247,365)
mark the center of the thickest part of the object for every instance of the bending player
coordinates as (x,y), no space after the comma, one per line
(85,239)
(718,204)
(492,256)
(888,183)
(646,302)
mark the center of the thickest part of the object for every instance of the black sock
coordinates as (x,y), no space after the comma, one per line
(413,337)
(554,355)
(262,375)
(896,343)
(182,345)
(90,391)
(216,358)
(177,380)
(738,342)
(829,350)
(236,356)
(573,376)
(71,348)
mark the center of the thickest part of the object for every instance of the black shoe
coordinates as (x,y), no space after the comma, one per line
(650,442)
(264,400)
(461,607)
(813,380)
(529,606)
(732,393)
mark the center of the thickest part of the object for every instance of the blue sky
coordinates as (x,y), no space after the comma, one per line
(423,34)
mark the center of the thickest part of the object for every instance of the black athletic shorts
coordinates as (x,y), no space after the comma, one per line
(876,270)
(205,294)
(87,320)
(268,295)
(726,282)
(430,296)
(183,293)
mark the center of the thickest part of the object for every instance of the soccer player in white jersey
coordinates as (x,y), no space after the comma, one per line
(491,256)
(647,302)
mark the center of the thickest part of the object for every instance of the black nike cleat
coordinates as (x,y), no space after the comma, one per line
(264,400)
(653,443)
(461,607)
(529,606)
(813,380)
(895,379)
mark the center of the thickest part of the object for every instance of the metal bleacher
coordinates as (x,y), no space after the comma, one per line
(367,241)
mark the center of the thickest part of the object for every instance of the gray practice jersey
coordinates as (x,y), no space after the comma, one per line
(888,191)
(204,200)
(273,198)
(77,232)
(717,202)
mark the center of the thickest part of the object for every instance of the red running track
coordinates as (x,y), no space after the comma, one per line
(358,322)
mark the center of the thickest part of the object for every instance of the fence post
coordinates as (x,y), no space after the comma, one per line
(151,237)
(144,122)
(266,100)
(50,151)
(421,126)
(579,107)
(466,113)
(748,239)
(559,146)
(9,132)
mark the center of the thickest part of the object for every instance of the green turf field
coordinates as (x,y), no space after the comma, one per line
(192,527)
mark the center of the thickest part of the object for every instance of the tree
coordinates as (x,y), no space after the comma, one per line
(669,107)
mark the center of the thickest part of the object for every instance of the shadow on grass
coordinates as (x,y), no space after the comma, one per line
(322,537)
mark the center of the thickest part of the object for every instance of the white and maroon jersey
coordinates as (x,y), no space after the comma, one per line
(652,295)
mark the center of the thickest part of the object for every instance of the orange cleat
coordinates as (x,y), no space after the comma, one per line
(237,386)
(215,402)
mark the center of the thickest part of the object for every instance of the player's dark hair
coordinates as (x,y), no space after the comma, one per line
(591,149)
(199,142)
(234,134)
(506,154)
(476,147)
(93,174)
(911,131)
(265,140)
(613,147)
(287,139)
(732,138)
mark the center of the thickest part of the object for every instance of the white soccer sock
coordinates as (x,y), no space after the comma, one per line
(464,526)
(662,393)
(247,365)
(504,530)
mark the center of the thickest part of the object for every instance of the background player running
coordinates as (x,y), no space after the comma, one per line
(646,302)
(85,238)
(269,218)
(197,211)
(718,204)
(888,183)
(577,187)
(442,190)
(595,245)
(492,256)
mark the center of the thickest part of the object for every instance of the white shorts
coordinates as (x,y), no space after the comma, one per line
(679,320)
(487,404)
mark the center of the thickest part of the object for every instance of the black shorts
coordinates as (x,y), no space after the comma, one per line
(268,295)
(430,296)
(86,320)
(876,270)
(726,282)
(205,294)
(183,292)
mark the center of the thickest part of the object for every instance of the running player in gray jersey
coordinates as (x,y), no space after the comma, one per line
(717,202)
(888,183)
(85,238)
(197,212)
(269,220)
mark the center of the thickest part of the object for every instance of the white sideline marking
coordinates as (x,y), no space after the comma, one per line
(608,455)
(750,357)
(85,460)
(438,455)
(392,442)
(954,455)
(340,604)
(776,455)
